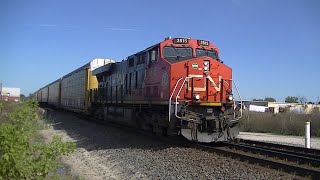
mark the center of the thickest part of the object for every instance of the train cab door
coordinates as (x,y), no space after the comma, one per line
(196,85)
(152,71)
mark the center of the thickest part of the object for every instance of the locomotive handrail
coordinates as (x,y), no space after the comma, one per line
(174,89)
(176,107)
(241,104)
(176,100)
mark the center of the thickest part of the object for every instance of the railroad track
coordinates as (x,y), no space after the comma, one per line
(290,159)
(301,161)
(300,154)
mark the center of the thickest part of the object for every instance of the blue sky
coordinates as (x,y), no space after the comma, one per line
(273,46)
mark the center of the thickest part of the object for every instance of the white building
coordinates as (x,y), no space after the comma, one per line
(9,94)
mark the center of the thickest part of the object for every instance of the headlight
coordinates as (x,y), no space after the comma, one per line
(206,65)
(230,98)
(196,96)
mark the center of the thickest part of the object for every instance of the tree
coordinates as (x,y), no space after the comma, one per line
(22,97)
(269,99)
(291,99)
(31,96)
(257,99)
(302,99)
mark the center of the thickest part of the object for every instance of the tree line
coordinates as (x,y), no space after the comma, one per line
(289,99)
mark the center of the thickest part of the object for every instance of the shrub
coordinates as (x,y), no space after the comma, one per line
(21,157)
(282,123)
(6,107)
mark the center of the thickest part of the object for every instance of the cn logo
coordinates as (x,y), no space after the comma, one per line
(216,86)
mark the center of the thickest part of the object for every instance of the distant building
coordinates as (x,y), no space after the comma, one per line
(277,107)
(9,94)
(245,104)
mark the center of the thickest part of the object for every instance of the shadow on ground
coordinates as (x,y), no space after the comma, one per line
(96,136)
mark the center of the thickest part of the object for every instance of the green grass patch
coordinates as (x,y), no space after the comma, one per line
(23,155)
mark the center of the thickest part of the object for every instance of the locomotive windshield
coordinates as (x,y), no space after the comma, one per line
(204,52)
(177,53)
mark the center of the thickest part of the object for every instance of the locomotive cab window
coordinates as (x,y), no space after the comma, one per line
(204,52)
(177,53)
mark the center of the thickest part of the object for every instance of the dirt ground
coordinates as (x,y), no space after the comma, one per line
(83,163)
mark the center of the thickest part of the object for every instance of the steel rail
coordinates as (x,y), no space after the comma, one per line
(313,173)
(288,155)
(308,152)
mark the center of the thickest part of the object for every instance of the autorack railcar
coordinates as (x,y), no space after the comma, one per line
(71,91)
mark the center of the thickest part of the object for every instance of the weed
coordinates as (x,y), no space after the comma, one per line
(21,157)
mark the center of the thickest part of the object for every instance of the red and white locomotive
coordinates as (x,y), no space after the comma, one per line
(178,86)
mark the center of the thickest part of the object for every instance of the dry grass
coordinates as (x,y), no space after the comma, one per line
(282,123)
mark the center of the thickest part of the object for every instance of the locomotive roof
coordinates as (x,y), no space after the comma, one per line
(145,49)
(103,69)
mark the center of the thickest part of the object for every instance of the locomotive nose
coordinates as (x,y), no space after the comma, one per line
(204,83)
(196,86)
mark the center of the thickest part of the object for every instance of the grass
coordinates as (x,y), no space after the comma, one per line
(282,123)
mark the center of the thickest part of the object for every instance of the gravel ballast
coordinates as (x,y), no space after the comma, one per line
(111,153)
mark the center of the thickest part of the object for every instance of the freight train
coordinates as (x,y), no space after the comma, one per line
(179,86)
